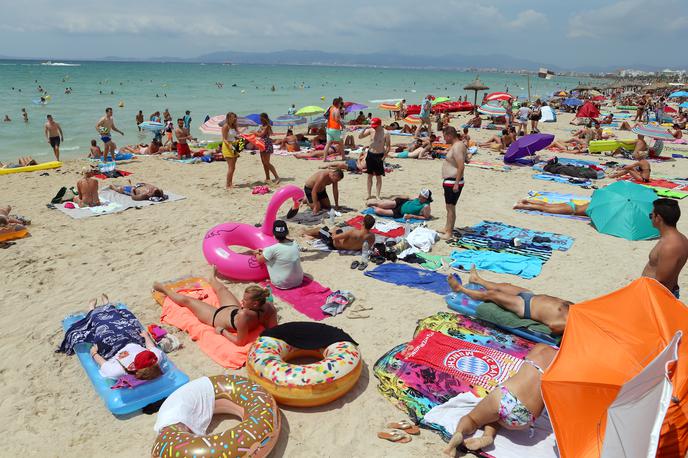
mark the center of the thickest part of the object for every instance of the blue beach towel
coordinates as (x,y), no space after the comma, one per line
(562,179)
(405,275)
(501,231)
(370,211)
(503,263)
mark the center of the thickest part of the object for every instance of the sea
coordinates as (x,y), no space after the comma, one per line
(207,89)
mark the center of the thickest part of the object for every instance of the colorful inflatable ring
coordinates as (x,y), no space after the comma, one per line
(244,267)
(255,436)
(304,385)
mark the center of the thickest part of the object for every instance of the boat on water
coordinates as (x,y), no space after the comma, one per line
(546,73)
(59,64)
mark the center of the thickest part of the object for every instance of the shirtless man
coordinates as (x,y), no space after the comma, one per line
(377,153)
(453,167)
(88,189)
(420,148)
(350,165)
(669,255)
(139,191)
(548,310)
(139,119)
(183,136)
(640,147)
(639,170)
(94,150)
(105,126)
(316,189)
(352,239)
(54,135)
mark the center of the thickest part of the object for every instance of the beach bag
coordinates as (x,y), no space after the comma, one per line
(64,195)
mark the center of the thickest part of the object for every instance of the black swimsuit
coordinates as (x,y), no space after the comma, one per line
(232,314)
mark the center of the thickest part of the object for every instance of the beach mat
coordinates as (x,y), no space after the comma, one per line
(114,203)
(555,198)
(416,388)
(370,211)
(499,262)
(495,166)
(306,299)
(562,179)
(218,348)
(405,275)
(126,400)
(496,230)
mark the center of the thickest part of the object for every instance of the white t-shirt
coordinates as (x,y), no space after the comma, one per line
(283,261)
(523,113)
(113,369)
(192,405)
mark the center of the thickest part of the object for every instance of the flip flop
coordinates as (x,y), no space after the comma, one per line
(394,435)
(362,266)
(355,264)
(406,426)
(292,213)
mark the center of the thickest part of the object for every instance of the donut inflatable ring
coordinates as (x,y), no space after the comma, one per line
(244,267)
(255,436)
(303,385)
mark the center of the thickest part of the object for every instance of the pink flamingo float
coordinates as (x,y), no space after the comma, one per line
(245,267)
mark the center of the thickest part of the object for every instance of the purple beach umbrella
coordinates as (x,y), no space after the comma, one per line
(527,146)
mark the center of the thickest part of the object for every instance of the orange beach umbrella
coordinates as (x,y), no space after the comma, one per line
(607,342)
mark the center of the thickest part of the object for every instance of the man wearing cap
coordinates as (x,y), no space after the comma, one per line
(405,206)
(453,167)
(377,153)
(282,259)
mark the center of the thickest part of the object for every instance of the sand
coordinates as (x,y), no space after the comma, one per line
(48,404)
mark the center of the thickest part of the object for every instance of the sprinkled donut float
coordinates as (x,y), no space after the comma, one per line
(255,436)
(336,372)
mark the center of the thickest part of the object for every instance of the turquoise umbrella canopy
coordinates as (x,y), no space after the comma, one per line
(623,209)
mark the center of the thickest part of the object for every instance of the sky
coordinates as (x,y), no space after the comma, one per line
(566,33)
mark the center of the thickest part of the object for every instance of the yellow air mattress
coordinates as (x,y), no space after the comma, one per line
(32,168)
(598,146)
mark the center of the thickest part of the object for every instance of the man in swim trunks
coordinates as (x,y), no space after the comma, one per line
(350,165)
(183,135)
(377,153)
(548,310)
(140,191)
(334,128)
(105,126)
(88,189)
(669,255)
(54,135)
(404,206)
(351,239)
(316,189)
(453,167)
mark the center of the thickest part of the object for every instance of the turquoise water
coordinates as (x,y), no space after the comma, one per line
(179,87)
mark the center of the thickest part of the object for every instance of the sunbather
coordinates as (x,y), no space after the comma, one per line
(234,319)
(640,147)
(88,188)
(515,404)
(139,191)
(548,310)
(7,219)
(351,239)
(404,206)
(568,208)
(23,161)
(639,170)
(420,148)
(498,143)
(351,165)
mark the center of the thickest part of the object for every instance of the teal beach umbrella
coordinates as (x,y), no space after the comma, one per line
(623,209)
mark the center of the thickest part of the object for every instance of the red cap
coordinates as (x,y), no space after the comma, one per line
(145,359)
(375,122)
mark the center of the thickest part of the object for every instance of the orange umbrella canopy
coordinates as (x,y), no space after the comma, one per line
(607,342)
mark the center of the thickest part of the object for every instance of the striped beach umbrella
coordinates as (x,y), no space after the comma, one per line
(498,96)
(213,126)
(412,119)
(656,132)
(288,120)
(492,110)
(152,126)
(354,106)
(388,107)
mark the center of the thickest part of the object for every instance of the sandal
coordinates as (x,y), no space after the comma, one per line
(104,299)
(394,435)
(362,265)
(355,264)
(406,426)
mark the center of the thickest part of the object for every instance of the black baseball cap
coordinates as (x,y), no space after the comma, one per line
(280,230)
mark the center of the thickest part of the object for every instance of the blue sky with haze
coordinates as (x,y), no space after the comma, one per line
(565,33)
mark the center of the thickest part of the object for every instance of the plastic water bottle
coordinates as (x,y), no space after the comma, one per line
(365,252)
(331,217)
(407,228)
(269,299)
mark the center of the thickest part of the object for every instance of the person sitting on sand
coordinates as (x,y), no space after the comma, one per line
(282,259)
(320,138)
(139,191)
(316,189)
(95,151)
(640,147)
(498,143)
(120,345)
(514,405)
(357,165)
(87,187)
(475,122)
(290,142)
(235,319)
(350,239)
(404,206)
(23,161)
(548,310)
(639,170)
(677,133)
(567,208)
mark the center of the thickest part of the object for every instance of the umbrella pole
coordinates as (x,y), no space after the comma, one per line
(475,101)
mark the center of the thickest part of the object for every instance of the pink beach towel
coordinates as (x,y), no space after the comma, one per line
(220,350)
(476,364)
(307,298)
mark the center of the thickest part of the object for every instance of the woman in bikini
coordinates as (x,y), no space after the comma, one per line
(234,319)
(566,208)
(264,133)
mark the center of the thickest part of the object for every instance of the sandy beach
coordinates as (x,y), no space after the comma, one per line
(50,406)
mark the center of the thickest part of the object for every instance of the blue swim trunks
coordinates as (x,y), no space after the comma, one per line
(105,139)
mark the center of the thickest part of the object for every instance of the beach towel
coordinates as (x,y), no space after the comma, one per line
(659,183)
(489,166)
(493,313)
(307,298)
(397,231)
(370,211)
(405,275)
(555,198)
(562,179)
(416,388)
(218,348)
(504,263)
(540,443)
(479,242)
(500,231)
(123,402)
(113,202)
(113,174)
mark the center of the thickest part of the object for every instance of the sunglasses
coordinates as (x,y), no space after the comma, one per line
(652,214)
